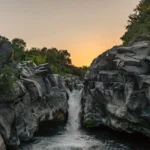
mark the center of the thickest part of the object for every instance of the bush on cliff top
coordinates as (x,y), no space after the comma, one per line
(59,60)
(138,24)
(8,75)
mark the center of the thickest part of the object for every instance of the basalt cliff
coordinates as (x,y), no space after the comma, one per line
(117,90)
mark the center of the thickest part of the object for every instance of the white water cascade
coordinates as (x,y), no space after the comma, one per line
(73,138)
(74,110)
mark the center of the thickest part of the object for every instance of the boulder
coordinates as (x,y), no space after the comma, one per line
(117,90)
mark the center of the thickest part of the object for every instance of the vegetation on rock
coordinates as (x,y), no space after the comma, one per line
(90,122)
(138,27)
(8,75)
(59,60)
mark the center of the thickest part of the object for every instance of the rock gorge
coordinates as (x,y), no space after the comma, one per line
(116,94)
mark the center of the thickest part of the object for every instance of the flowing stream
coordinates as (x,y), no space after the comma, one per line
(73,138)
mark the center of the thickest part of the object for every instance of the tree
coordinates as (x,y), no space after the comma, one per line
(3,38)
(52,56)
(19,46)
(44,50)
(138,24)
(59,60)
(65,57)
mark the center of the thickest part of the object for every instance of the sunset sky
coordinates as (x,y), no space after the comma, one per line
(85,28)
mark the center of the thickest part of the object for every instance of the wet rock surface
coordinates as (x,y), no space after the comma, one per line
(117,90)
(2,145)
(72,82)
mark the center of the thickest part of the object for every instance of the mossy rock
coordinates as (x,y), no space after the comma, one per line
(60,116)
(90,122)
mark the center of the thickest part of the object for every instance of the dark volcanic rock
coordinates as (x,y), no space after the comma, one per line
(2,145)
(6,51)
(117,89)
(34,98)
(72,82)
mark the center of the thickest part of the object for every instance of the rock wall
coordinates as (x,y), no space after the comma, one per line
(2,145)
(5,52)
(35,97)
(117,89)
(72,82)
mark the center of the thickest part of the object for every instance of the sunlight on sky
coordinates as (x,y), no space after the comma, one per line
(85,28)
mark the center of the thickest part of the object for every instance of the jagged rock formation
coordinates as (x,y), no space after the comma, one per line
(72,82)
(34,98)
(117,89)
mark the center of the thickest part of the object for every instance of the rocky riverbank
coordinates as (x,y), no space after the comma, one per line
(117,89)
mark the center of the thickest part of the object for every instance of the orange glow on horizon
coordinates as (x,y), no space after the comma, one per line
(85,49)
(91,52)
(86,28)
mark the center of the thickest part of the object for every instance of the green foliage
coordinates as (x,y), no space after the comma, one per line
(64,57)
(90,122)
(59,60)
(8,76)
(39,59)
(140,38)
(18,44)
(3,38)
(19,48)
(138,23)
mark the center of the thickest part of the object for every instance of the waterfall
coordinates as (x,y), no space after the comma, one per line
(74,110)
(72,138)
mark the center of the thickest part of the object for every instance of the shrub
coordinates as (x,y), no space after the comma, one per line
(90,122)
(140,38)
(8,75)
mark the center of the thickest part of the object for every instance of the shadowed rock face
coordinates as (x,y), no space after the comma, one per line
(2,145)
(5,52)
(35,98)
(117,89)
